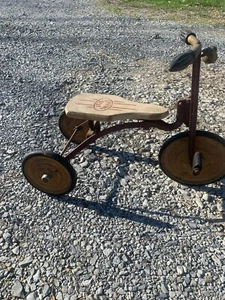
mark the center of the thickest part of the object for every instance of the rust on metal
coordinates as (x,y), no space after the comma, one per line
(94,127)
(183,110)
(76,129)
(194,105)
(143,124)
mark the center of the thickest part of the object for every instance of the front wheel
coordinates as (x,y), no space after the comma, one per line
(49,172)
(175,162)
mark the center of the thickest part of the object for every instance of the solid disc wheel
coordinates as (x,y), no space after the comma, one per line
(67,126)
(49,172)
(175,162)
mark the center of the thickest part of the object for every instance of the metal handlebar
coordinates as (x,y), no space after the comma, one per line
(187,58)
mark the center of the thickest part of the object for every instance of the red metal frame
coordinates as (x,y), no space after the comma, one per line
(183,107)
(186,114)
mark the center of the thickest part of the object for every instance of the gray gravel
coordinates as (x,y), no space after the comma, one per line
(126,231)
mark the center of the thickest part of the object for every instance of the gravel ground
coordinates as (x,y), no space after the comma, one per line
(126,231)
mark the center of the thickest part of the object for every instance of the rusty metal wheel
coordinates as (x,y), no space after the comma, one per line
(49,172)
(67,125)
(174,158)
(87,128)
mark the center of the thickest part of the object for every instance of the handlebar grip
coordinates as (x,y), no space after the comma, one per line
(185,36)
(187,58)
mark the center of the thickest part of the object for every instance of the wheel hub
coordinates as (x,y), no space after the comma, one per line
(45,178)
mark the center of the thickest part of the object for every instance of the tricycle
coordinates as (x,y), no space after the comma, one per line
(192,157)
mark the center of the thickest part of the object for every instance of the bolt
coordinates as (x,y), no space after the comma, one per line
(45,178)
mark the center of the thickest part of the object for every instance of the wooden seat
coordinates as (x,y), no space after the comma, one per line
(109,108)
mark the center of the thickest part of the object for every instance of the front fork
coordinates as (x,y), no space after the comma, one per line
(195,157)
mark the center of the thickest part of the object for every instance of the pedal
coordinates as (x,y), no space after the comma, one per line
(197,163)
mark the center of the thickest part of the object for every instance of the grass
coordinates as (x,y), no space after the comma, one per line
(219,4)
(184,11)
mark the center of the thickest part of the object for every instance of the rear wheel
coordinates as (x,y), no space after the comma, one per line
(49,172)
(175,162)
(67,126)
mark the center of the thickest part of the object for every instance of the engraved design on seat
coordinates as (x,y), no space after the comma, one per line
(103,104)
